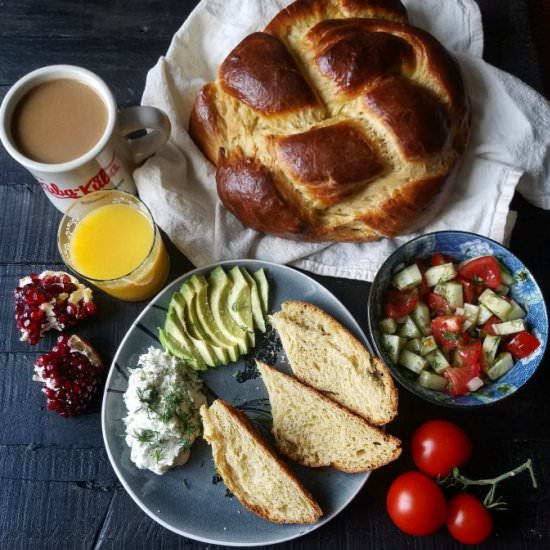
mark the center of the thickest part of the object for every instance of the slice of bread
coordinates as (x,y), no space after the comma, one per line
(313,430)
(251,470)
(325,355)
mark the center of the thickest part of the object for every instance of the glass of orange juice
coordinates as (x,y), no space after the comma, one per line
(110,239)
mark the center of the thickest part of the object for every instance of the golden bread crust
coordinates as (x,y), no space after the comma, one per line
(382,371)
(295,453)
(224,470)
(351,117)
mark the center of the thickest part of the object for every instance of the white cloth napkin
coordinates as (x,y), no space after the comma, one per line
(510,144)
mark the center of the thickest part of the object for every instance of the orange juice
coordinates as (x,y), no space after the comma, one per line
(117,247)
(111,242)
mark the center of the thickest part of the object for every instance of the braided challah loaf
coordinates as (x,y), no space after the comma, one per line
(339,122)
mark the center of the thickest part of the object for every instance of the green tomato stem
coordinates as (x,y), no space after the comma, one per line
(455,477)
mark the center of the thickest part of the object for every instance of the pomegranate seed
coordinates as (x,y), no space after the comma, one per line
(46,288)
(37,314)
(69,372)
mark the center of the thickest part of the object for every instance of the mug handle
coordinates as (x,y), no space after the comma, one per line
(143,117)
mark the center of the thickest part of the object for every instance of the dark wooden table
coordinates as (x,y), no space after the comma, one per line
(57,488)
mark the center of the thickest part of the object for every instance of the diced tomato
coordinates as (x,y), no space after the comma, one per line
(438,304)
(487,327)
(504,339)
(446,330)
(468,352)
(467,290)
(439,259)
(522,344)
(400,303)
(471,291)
(484,270)
(460,376)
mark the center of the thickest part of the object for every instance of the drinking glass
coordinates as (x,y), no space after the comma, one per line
(139,284)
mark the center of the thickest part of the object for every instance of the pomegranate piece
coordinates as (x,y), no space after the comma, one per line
(51,300)
(70,375)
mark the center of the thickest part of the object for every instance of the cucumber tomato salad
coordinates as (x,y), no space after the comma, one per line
(453,324)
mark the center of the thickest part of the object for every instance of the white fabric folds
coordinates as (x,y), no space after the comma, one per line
(510,144)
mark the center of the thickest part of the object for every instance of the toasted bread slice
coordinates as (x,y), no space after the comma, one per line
(313,430)
(325,355)
(251,471)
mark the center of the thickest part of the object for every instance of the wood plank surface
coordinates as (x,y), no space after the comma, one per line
(57,488)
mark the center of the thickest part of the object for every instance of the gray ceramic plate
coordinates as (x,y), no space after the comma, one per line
(190,500)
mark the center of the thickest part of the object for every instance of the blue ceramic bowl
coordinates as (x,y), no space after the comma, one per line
(525,290)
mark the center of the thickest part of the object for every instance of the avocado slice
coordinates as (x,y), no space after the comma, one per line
(175,327)
(184,303)
(219,287)
(181,349)
(206,318)
(187,294)
(263,289)
(175,349)
(257,312)
(239,303)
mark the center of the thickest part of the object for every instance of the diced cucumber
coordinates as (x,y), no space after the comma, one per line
(484,315)
(440,274)
(516,312)
(502,290)
(505,274)
(421,346)
(388,325)
(502,365)
(475,383)
(490,347)
(437,361)
(452,292)
(427,345)
(414,345)
(459,311)
(393,345)
(421,316)
(439,289)
(407,278)
(432,381)
(411,361)
(454,295)
(493,302)
(509,327)
(409,329)
(401,320)
(471,314)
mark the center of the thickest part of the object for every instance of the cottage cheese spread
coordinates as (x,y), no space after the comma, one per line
(163,401)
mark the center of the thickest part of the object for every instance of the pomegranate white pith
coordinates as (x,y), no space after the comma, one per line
(53,300)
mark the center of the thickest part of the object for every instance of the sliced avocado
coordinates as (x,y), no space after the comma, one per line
(257,312)
(187,294)
(219,287)
(240,304)
(174,347)
(206,318)
(175,327)
(263,289)
(187,313)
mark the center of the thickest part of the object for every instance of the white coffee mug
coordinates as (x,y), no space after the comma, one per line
(108,164)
